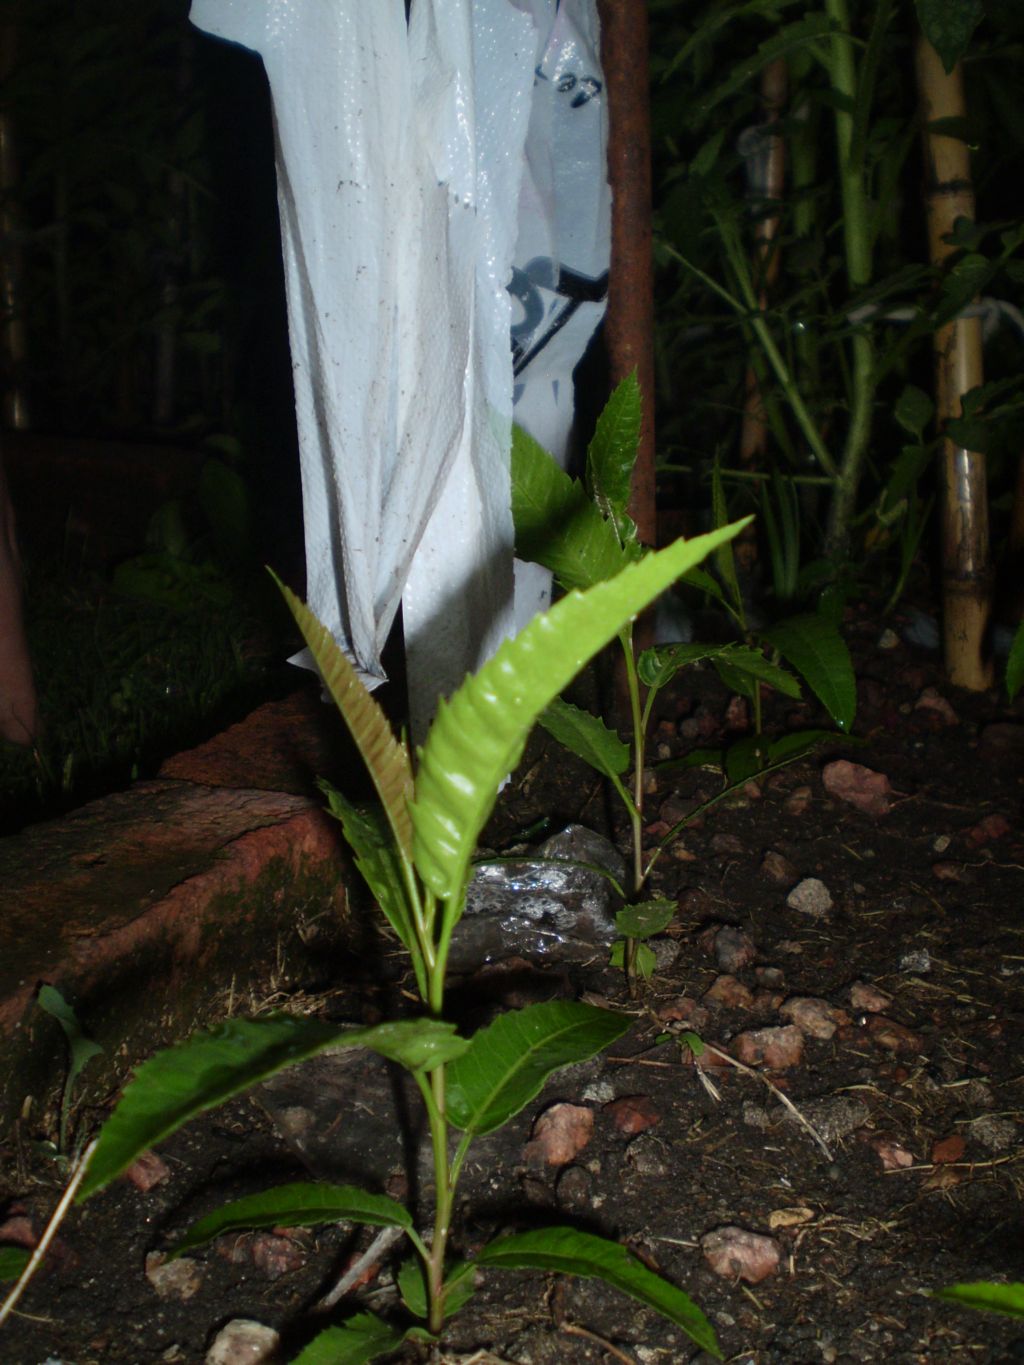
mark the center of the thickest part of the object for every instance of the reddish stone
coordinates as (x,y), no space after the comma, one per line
(948,1149)
(775,1048)
(633,1113)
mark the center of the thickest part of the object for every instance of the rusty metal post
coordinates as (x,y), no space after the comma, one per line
(629,321)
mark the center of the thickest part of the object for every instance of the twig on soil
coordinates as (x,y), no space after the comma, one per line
(779,1095)
(56,1218)
(379,1247)
(572,1330)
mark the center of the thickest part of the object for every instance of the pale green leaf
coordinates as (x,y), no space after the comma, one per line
(209,1068)
(355,1342)
(556,523)
(611,456)
(986,1296)
(459,1284)
(569,1252)
(508,1061)
(586,736)
(658,665)
(813,645)
(299,1205)
(478,736)
(385,757)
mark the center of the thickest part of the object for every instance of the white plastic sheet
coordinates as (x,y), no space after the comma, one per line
(417,161)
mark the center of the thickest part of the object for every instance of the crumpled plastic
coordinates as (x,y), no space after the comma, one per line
(423,165)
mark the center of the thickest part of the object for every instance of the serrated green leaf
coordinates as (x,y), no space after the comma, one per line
(1015,664)
(611,456)
(355,1342)
(645,919)
(986,1296)
(13,1261)
(819,654)
(556,523)
(509,1060)
(659,665)
(478,736)
(298,1205)
(586,736)
(368,835)
(385,757)
(209,1068)
(569,1252)
(644,961)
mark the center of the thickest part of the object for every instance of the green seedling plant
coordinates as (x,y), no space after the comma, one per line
(415,850)
(583,533)
(985,1296)
(81,1049)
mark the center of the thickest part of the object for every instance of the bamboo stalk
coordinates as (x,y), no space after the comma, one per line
(967,574)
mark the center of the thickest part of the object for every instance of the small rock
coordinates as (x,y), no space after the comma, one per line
(831,1116)
(178,1279)
(776,1048)
(734,1253)
(633,1114)
(892,1154)
(948,1149)
(559,1135)
(893,1037)
(148,1171)
(646,1156)
(810,897)
(685,1010)
(734,949)
(727,845)
(940,843)
(574,1189)
(949,872)
(987,830)
(933,701)
(756,1116)
(918,961)
(865,790)
(599,1092)
(737,714)
(772,978)
(864,996)
(726,990)
(995,1133)
(18,1231)
(776,868)
(797,801)
(243,1342)
(815,1018)
(888,639)
(280,1252)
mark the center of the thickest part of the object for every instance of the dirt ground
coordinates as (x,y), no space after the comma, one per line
(909,1068)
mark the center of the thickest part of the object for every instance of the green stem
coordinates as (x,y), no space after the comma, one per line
(636,815)
(857,239)
(444,1193)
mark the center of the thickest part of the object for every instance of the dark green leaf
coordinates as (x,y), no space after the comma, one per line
(13,1261)
(948,25)
(460,1286)
(207,1069)
(568,1252)
(611,456)
(819,654)
(914,410)
(645,919)
(971,434)
(81,1047)
(556,523)
(509,1060)
(355,1342)
(586,736)
(299,1205)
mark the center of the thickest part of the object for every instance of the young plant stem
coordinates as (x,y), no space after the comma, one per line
(857,241)
(433,1092)
(637,805)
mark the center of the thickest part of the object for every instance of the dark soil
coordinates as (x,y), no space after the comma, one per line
(922,1114)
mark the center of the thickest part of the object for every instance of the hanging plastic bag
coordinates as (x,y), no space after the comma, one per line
(400,151)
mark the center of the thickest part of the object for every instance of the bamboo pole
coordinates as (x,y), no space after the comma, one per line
(629,321)
(967,574)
